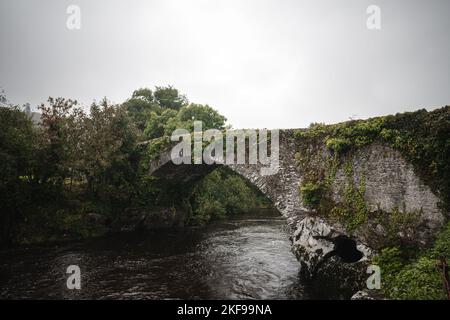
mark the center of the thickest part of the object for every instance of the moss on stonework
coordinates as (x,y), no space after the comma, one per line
(353,210)
(422,137)
(316,191)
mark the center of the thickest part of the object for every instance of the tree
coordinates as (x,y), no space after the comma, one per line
(140,106)
(17,150)
(169,97)
(144,94)
(62,121)
(210,118)
(144,103)
(223,192)
(107,145)
(156,124)
(185,118)
(16,144)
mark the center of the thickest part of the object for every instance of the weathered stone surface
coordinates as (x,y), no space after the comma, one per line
(391,184)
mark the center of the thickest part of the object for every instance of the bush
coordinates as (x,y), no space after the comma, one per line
(222,193)
(441,247)
(391,263)
(406,278)
(418,281)
(311,194)
(338,145)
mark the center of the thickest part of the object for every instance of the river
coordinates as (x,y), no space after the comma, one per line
(245,258)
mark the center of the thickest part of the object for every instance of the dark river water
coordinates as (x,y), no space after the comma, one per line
(246,258)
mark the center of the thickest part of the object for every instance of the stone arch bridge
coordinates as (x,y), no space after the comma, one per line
(390,183)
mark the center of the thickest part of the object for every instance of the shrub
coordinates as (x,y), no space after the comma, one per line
(338,145)
(418,279)
(442,244)
(311,193)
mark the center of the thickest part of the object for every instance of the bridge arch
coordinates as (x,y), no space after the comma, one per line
(280,188)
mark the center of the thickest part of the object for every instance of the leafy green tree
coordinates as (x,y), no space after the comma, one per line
(145,103)
(144,94)
(107,147)
(156,124)
(169,97)
(221,193)
(16,144)
(211,119)
(140,106)
(62,128)
(17,150)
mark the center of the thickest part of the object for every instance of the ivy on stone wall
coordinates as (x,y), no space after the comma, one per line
(422,137)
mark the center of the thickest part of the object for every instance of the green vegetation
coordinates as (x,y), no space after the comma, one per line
(422,137)
(75,174)
(221,193)
(353,210)
(311,194)
(54,174)
(320,171)
(407,275)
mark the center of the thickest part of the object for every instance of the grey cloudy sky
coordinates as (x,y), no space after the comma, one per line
(261,63)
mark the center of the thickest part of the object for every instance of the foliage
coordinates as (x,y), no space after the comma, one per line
(353,209)
(69,156)
(145,104)
(422,137)
(441,247)
(169,97)
(156,125)
(223,192)
(391,262)
(73,167)
(418,281)
(17,150)
(399,222)
(16,145)
(311,193)
(406,276)
(338,145)
(106,151)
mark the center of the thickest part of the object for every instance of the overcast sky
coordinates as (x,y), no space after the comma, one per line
(261,63)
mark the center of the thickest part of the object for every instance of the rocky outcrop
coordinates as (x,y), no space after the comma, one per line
(314,239)
(398,205)
(390,184)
